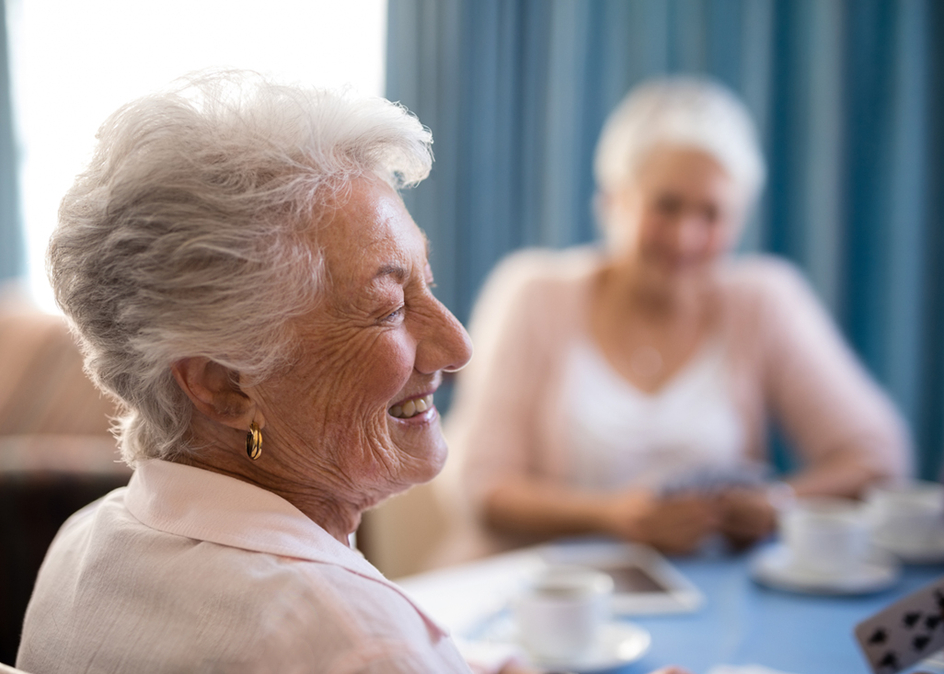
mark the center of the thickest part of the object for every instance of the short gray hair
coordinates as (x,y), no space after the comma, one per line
(681,112)
(185,235)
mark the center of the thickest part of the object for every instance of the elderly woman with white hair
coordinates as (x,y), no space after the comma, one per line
(246,282)
(628,392)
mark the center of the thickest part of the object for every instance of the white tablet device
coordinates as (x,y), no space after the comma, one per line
(645,582)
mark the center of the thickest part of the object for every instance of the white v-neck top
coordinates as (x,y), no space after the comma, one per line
(187,570)
(621,436)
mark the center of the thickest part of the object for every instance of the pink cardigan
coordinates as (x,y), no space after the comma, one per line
(786,361)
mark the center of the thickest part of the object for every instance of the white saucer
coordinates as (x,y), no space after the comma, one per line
(926,552)
(619,643)
(774,566)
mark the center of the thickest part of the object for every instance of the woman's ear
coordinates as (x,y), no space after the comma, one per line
(214,391)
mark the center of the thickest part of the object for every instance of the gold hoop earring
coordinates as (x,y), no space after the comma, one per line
(254,441)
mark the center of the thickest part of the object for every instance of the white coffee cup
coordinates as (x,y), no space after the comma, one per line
(828,537)
(907,515)
(561,610)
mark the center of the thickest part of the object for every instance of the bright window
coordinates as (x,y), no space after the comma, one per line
(74,62)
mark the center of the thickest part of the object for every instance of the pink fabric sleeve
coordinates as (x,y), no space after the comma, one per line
(817,389)
(492,425)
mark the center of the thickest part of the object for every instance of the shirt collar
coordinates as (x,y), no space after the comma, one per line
(209,506)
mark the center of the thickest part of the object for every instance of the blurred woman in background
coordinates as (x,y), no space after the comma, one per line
(629,392)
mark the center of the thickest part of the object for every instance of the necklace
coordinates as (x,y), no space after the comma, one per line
(646,362)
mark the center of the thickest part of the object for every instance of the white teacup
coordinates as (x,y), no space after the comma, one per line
(561,611)
(826,536)
(908,515)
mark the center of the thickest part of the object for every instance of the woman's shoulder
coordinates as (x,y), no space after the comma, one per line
(547,266)
(766,297)
(763,278)
(533,294)
(534,273)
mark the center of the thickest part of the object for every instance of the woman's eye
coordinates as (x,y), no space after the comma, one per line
(669,205)
(393,316)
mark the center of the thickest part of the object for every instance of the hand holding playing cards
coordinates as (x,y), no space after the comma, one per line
(673,524)
(908,631)
(746,515)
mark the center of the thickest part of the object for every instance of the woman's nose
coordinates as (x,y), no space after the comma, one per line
(691,234)
(446,345)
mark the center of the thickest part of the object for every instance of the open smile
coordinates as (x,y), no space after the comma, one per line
(412,408)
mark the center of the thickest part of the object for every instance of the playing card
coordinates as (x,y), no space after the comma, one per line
(906,632)
(713,480)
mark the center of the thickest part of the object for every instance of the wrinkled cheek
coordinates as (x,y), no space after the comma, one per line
(359,446)
(383,375)
(358,425)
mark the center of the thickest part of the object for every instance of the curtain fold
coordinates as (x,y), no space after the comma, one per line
(12,250)
(848,96)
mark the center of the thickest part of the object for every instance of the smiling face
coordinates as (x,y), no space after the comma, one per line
(355,413)
(679,216)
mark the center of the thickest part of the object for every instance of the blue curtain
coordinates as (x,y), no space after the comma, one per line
(849,97)
(12,260)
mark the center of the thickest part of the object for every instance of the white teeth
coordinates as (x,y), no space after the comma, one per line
(412,407)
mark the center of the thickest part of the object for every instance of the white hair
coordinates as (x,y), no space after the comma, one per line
(186,234)
(679,112)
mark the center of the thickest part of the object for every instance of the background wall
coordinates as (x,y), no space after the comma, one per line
(71,64)
(848,95)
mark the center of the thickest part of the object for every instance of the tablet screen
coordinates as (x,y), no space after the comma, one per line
(633,579)
(644,582)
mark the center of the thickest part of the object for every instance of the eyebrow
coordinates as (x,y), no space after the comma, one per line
(392,269)
(398,271)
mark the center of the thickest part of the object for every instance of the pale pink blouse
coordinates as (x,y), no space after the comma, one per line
(187,570)
(784,357)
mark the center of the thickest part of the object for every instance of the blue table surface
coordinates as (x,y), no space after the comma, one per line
(744,623)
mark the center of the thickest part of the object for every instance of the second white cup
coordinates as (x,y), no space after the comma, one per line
(908,515)
(561,611)
(826,536)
